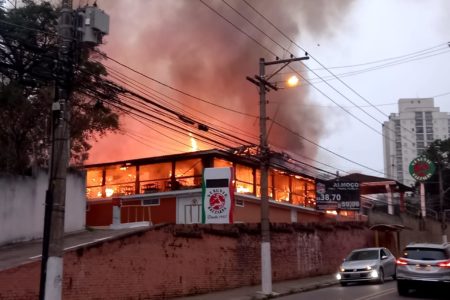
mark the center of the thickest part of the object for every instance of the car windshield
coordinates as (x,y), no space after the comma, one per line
(425,254)
(363,255)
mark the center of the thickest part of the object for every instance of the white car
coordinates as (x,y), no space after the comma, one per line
(367,264)
(423,264)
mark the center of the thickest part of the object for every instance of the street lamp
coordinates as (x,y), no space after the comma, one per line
(264,86)
(292,81)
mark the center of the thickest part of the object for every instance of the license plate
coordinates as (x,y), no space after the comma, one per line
(423,268)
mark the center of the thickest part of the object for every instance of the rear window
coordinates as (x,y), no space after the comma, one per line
(425,254)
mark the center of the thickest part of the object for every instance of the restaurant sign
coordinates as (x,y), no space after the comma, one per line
(217,196)
(338,195)
(421,168)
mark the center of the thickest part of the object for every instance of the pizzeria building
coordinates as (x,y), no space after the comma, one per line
(167,189)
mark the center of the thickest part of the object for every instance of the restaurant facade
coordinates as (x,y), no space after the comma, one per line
(167,189)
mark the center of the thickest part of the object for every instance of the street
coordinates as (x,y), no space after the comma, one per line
(386,291)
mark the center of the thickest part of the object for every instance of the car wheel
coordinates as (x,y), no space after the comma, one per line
(381,276)
(402,288)
(344,283)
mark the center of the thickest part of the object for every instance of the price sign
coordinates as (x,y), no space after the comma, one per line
(335,195)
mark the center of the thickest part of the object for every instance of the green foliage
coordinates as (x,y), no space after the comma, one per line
(28,56)
(439,152)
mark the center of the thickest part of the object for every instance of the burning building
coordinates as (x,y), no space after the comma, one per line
(167,189)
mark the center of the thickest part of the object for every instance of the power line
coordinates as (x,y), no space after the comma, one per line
(314,167)
(128,112)
(173,88)
(340,93)
(357,72)
(128,67)
(127,80)
(328,150)
(302,76)
(395,58)
(334,75)
(181,117)
(164,123)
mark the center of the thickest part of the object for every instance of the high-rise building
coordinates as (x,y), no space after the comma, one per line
(409,132)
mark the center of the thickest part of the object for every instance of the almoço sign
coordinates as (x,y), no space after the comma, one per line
(421,168)
(338,195)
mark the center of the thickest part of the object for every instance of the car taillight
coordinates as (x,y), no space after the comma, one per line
(444,264)
(401,262)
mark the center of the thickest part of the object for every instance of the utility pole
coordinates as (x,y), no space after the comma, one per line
(441,204)
(91,25)
(262,82)
(53,248)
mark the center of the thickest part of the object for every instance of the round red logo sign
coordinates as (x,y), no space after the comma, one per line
(421,168)
(217,201)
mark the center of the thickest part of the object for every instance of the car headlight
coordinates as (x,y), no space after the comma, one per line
(341,269)
(369,267)
(374,274)
(338,276)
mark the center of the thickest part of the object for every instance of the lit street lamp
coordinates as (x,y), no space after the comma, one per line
(292,81)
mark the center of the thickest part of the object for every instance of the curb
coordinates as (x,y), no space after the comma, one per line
(296,290)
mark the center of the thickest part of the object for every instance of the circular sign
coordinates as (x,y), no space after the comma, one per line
(421,168)
(216,202)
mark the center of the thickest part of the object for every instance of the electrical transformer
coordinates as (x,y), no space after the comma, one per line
(94,24)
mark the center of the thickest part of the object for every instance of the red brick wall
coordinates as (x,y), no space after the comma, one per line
(180,260)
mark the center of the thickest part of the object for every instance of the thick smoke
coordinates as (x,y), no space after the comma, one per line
(189,46)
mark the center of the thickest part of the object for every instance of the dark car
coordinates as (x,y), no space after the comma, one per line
(423,264)
(367,264)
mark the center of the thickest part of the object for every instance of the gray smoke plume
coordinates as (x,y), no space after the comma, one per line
(189,46)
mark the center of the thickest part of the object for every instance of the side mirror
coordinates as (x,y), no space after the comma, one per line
(384,257)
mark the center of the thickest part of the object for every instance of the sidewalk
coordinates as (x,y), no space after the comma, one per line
(280,289)
(16,254)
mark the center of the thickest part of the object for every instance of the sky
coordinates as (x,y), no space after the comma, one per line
(337,123)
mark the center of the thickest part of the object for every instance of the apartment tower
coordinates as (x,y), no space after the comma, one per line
(409,132)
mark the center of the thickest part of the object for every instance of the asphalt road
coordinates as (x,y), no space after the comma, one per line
(386,291)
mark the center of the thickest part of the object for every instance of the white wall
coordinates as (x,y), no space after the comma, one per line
(22,201)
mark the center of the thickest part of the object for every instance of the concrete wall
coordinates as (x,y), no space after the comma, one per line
(416,229)
(22,201)
(180,260)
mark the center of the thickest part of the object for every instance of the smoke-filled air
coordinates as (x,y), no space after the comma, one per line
(187,45)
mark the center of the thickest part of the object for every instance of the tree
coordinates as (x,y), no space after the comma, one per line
(28,62)
(439,152)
